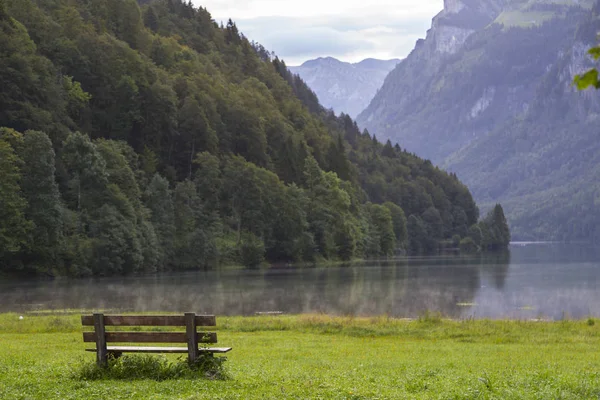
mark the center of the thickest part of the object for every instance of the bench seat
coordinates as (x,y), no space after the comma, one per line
(191,337)
(135,349)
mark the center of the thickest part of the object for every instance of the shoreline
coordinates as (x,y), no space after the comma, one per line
(426,315)
(69,321)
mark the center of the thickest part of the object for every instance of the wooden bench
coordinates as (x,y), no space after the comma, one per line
(191,336)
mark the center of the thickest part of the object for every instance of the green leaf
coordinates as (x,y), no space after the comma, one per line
(595,52)
(586,80)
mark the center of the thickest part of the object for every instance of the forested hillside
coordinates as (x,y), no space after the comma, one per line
(147,138)
(489,95)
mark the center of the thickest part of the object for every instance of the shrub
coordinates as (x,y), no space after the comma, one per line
(137,367)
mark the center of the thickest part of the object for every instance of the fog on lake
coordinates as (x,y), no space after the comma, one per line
(547,280)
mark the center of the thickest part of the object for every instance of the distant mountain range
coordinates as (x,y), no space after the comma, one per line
(343,86)
(489,95)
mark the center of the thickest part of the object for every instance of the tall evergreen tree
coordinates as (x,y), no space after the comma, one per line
(498,228)
(338,160)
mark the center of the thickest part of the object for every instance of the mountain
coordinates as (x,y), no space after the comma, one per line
(488,94)
(136,139)
(342,86)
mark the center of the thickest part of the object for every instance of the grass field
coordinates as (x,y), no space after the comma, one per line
(320,357)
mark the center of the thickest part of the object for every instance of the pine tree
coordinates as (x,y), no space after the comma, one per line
(338,160)
(388,150)
(499,227)
(233,35)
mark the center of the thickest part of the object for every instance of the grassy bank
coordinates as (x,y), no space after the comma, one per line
(42,357)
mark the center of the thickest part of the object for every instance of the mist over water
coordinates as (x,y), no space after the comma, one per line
(532,281)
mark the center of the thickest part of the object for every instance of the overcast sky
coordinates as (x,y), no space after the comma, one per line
(350,30)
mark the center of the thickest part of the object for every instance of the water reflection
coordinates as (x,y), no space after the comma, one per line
(495,268)
(525,284)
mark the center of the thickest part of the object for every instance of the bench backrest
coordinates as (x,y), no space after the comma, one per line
(189,320)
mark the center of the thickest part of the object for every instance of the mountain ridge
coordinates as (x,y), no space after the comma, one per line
(488,95)
(343,86)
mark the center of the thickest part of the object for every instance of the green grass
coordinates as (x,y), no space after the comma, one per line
(154,367)
(314,356)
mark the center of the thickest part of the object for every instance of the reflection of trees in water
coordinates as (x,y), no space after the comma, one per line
(496,266)
(440,287)
(403,288)
(400,288)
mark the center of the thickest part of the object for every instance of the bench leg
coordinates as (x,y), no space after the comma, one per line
(101,358)
(101,352)
(191,337)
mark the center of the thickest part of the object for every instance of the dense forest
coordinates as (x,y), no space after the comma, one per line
(146,137)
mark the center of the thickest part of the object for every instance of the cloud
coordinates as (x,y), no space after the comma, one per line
(350,30)
(296,39)
(306,42)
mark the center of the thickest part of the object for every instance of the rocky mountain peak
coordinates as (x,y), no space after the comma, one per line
(458,20)
(489,95)
(321,62)
(345,87)
(453,6)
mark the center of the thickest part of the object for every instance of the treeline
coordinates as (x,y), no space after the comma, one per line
(144,139)
(490,234)
(111,217)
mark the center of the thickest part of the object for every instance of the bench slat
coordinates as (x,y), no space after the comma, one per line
(150,337)
(131,349)
(149,320)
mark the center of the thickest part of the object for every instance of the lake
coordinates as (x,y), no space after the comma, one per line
(533,280)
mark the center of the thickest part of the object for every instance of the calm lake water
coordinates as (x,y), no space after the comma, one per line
(532,281)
